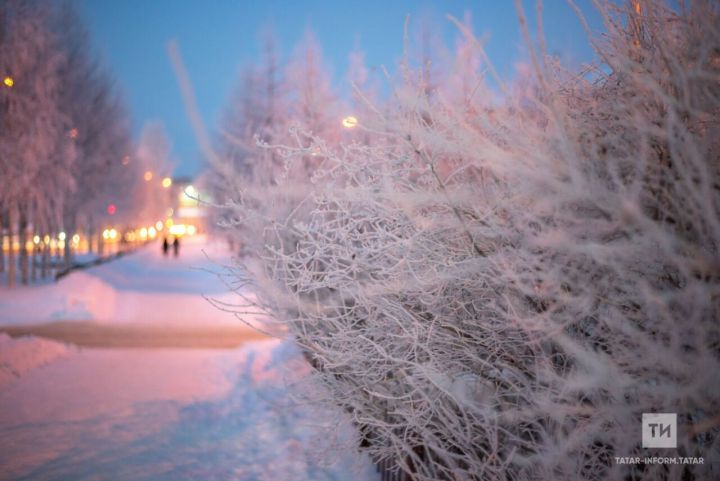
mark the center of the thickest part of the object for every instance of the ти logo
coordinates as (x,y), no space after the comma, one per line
(659,430)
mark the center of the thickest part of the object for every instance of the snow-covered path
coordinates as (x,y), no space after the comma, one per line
(74,413)
(168,415)
(143,287)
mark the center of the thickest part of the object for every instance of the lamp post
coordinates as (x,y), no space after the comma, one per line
(350,122)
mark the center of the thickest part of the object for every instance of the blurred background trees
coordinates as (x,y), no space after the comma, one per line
(65,144)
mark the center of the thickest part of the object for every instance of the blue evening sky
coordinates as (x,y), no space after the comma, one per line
(217,37)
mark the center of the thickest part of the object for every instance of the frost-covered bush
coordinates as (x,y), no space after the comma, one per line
(499,288)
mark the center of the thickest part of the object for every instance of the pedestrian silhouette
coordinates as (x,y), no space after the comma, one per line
(165,246)
(176,246)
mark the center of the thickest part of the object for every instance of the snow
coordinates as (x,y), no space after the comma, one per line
(18,356)
(142,287)
(171,415)
(159,414)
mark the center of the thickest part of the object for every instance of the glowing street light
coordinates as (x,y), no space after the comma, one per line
(148,176)
(350,122)
(73,133)
(8,81)
(166,182)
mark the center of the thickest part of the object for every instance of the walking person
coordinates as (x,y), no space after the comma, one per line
(176,246)
(165,246)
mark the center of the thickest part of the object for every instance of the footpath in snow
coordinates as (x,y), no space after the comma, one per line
(142,287)
(117,414)
(142,415)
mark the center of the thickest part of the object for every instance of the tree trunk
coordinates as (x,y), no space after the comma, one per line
(24,258)
(33,262)
(2,242)
(90,234)
(44,261)
(11,253)
(70,223)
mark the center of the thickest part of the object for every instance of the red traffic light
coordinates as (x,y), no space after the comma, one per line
(111,209)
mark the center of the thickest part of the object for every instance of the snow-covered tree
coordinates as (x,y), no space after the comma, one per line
(153,157)
(500,292)
(64,132)
(100,134)
(33,137)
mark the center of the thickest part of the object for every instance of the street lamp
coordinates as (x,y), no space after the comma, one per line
(166,182)
(148,176)
(350,122)
(8,81)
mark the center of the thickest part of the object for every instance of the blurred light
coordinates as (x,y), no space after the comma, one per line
(178,229)
(46,239)
(126,160)
(189,197)
(167,182)
(111,209)
(36,239)
(143,233)
(76,239)
(106,234)
(349,122)
(61,236)
(152,232)
(159,225)
(170,212)
(169,223)
(148,176)
(73,133)
(191,230)
(61,244)
(113,233)
(8,81)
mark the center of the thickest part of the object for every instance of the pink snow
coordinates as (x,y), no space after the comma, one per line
(171,414)
(142,287)
(159,414)
(18,356)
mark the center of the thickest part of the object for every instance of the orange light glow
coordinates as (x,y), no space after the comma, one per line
(73,133)
(8,81)
(148,176)
(167,182)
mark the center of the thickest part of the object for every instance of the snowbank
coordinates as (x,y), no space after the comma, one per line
(18,356)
